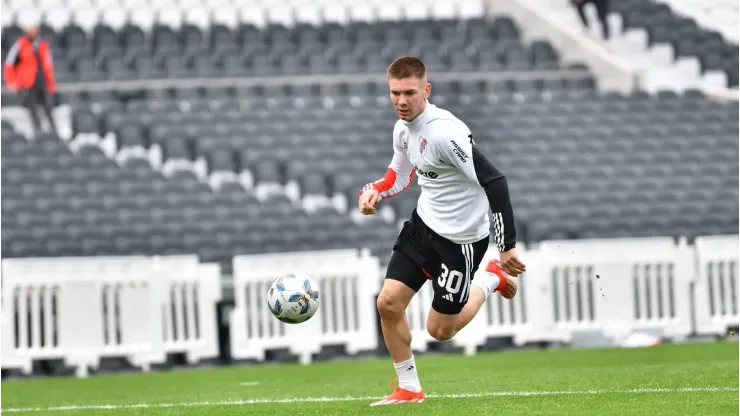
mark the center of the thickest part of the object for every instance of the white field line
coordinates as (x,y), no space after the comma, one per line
(249,383)
(369,398)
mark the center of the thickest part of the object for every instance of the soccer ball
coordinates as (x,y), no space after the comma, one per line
(293,298)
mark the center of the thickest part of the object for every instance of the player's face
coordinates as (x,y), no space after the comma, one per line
(409,96)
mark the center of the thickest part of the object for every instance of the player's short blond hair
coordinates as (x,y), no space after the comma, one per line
(407,67)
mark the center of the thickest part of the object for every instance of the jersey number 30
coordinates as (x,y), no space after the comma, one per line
(450,279)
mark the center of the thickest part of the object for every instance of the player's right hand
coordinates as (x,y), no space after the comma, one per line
(367,201)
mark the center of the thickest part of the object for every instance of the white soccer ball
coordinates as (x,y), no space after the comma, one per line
(293,298)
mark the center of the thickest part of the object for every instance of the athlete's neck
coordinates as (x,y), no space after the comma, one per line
(413,124)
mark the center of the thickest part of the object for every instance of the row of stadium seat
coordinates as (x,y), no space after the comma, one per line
(103,36)
(219,51)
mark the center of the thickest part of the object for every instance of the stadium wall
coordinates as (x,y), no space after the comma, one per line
(82,310)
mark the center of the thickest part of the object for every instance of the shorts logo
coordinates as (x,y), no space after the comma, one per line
(459,152)
(422,146)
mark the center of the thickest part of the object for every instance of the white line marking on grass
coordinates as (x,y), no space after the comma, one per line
(249,383)
(646,390)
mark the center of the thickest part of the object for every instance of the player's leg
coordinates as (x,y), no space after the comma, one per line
(454,308)
(494,280)
(392,302)
(452,286)
(404,277)
(444,326)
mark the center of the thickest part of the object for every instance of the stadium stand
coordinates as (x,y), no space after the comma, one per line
(221,171)
(673,50)
(635,178)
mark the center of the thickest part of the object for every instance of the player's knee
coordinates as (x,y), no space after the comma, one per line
(389,305)
(440,332)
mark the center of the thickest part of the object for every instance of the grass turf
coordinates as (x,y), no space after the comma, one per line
(665,380)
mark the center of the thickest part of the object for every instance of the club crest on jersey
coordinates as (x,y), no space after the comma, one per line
(422,146)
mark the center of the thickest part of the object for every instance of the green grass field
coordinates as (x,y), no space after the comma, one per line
(690,379)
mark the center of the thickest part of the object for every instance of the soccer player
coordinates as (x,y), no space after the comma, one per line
(448,233)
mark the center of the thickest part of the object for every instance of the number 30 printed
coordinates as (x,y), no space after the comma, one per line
(450,279)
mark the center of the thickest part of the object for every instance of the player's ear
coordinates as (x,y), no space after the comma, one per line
(427,90)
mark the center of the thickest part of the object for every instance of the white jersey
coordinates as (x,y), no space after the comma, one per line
(438,146)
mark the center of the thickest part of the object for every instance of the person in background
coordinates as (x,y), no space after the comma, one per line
(602,9)
(29,71)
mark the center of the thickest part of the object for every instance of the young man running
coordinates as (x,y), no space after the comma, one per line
(448,233)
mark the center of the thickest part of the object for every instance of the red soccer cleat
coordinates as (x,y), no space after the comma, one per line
(507,285)
(400,396)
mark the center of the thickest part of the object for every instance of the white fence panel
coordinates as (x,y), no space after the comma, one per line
(348,283)
(498,317)
(84,309)
(189,322)
(610,286)
(80,310)
(716,287)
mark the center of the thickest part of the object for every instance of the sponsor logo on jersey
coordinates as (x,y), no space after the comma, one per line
(459,152)
(422,146)
(430,175)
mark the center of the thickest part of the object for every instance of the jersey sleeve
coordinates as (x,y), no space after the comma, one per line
(398,177)
(459,150)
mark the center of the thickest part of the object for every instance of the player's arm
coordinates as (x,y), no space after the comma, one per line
(462,153)
(397,178)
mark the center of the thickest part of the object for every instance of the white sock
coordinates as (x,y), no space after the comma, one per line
(487,282)
(408,379)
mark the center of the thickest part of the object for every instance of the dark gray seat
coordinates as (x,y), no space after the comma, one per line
(314,184)
(221,160)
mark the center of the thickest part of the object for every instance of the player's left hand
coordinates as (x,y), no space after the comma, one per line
(511,264)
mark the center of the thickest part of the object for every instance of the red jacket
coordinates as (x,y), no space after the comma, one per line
(21,65)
